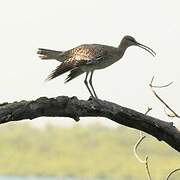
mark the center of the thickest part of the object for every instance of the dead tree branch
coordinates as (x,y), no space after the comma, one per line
(141,138)
(174,114)
(155,86)
(64,106)
(139,159)
(172,172)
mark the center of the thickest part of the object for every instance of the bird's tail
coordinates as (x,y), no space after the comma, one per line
(47,54)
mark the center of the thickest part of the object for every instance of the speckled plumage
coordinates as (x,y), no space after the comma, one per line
(87,58)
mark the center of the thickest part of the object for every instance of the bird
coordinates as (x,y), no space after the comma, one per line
(87,58)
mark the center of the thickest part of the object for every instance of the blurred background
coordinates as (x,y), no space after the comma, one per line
(92,152)
(59,146)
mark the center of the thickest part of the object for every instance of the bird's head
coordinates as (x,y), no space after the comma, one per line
(128,41)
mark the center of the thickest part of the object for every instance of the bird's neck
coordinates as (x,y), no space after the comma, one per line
(121,49)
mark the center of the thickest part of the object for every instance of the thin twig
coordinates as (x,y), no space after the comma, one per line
(171,115)
(142,137)
(155,86)
(149,109)
(152,86)
(147,168)
(136,147)
(175,114)
(172,172)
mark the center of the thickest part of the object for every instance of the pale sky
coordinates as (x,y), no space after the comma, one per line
(63,24)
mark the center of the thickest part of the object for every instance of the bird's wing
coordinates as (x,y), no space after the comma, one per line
(76,57)
(86,54)
(61,69)
(66,66)
(73,74)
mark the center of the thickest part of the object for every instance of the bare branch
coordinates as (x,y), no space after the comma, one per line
(148,110)
(152,86)
(171,115)
(136,147)
(175,114)
(147,168)
(64,106)
(172,172)
(155,86)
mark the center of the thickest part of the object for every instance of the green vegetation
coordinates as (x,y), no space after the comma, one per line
(92,151)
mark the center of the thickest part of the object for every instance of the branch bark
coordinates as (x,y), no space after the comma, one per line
(63,106)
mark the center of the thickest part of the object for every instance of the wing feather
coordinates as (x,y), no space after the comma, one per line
(73,74)
(61,69)
(77,57)
(66,66)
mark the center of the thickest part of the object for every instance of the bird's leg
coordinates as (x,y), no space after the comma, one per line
(86,83)
(90,82)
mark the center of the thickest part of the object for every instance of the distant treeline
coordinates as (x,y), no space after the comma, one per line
(92,151)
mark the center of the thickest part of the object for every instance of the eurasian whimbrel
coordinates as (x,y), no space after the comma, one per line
(87,58)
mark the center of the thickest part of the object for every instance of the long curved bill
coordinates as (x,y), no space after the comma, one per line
(146,48)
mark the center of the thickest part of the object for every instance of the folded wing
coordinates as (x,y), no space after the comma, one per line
(83,55)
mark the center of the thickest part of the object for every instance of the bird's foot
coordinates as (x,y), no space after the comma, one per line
(95,99)
(91,98)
